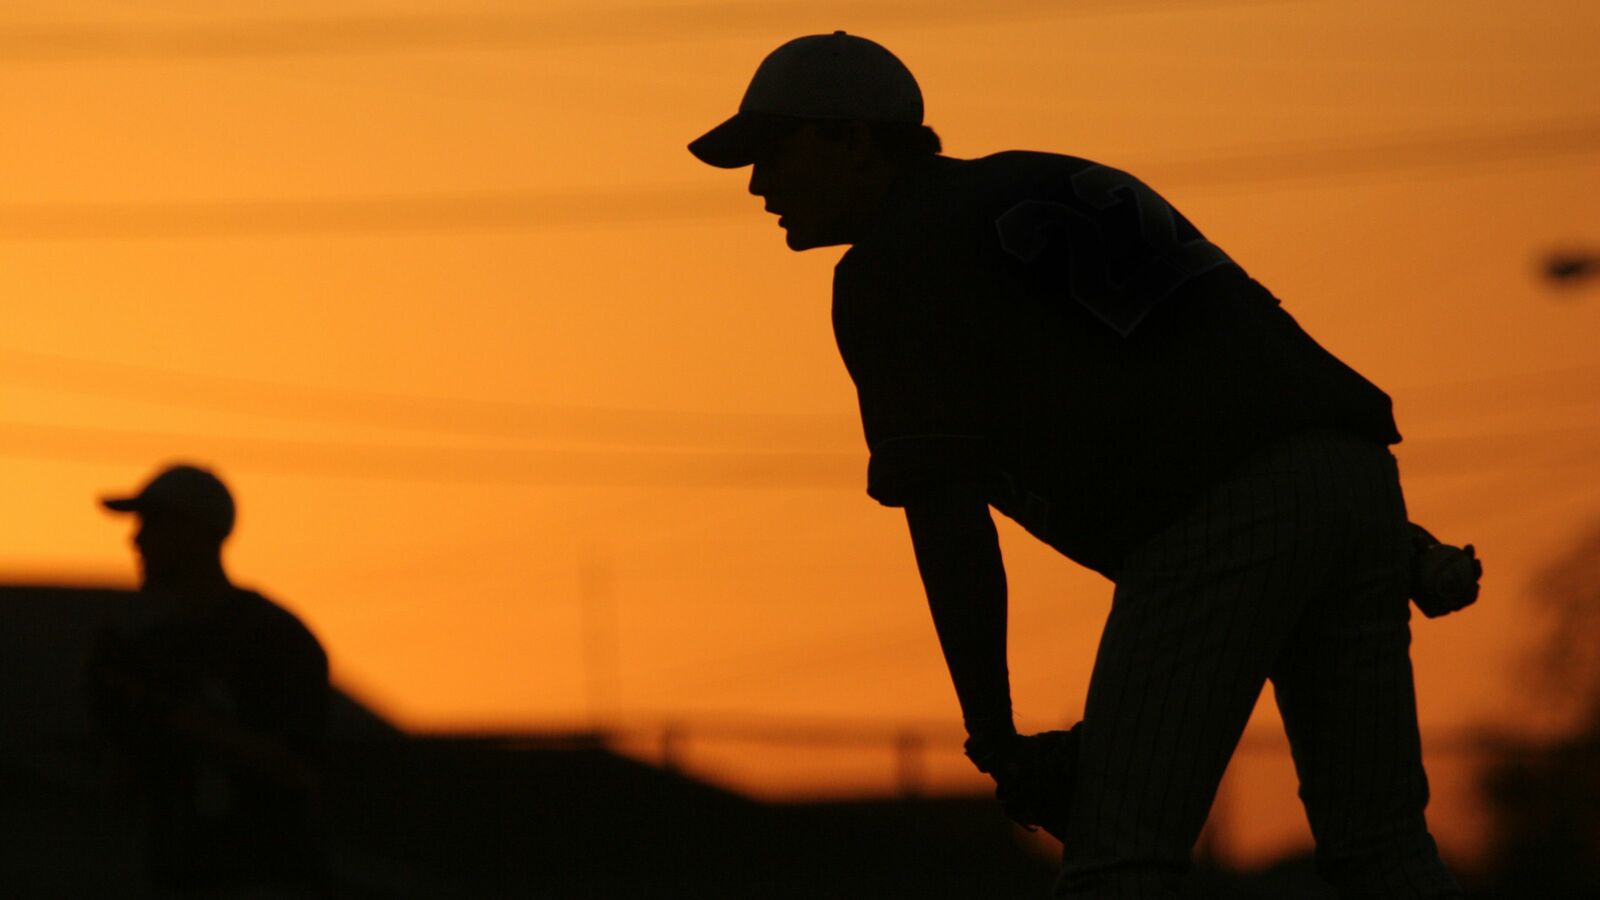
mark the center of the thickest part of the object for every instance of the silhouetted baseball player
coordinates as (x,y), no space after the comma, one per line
(216,712)
(1048,336)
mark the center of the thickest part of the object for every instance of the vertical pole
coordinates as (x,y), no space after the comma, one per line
(601,655)
(908,747)
(672,740)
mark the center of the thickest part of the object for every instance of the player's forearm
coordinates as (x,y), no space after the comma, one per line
(219,736)
(958,555)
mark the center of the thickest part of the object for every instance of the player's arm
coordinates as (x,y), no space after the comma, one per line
(958,556)
(265,755)
(219,735)
(290,698)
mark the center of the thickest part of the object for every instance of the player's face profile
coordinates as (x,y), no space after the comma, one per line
(802,181)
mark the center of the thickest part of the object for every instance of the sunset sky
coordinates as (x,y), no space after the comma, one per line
(534,419)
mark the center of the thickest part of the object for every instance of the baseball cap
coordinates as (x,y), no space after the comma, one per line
(820,76)
(186,491)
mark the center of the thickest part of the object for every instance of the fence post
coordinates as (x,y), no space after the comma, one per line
(909,773)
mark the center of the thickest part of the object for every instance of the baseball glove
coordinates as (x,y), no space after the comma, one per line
(1444,578)
(1033,775)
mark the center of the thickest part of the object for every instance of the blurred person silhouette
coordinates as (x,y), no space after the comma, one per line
(1047,336)
(213,715)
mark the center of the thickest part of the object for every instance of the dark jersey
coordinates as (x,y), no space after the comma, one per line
(1053,330)
(241,660)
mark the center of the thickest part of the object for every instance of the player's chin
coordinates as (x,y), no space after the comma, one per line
(801,239)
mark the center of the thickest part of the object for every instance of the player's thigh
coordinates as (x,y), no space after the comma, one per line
(1199,616)
(1344,686)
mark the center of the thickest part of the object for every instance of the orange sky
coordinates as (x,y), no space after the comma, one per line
(450,590)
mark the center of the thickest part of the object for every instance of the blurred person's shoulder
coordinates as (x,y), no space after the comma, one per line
(264,621)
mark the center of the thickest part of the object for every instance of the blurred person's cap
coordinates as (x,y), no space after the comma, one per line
(184,491)
(820,76)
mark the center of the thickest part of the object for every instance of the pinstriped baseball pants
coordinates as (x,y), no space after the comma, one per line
(1294,568)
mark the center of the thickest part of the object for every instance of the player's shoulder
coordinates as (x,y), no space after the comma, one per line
(1025,166)
(941,223)
(271,623)
(947,198)
(1005,177)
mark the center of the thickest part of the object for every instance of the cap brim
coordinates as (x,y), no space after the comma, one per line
(733,144)
(121,504)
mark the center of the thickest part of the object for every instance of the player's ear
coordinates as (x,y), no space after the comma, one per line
(860,143)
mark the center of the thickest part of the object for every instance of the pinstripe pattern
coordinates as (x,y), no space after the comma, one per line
(1293,568)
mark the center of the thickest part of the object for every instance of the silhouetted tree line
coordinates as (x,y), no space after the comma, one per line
(1545,797)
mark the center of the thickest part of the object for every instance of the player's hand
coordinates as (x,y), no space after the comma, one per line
(1033,775)
(1444,578)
